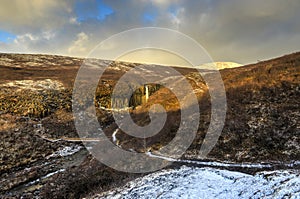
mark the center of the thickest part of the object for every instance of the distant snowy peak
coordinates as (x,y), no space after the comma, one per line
(220,65)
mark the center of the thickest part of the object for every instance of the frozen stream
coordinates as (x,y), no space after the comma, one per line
(210,179)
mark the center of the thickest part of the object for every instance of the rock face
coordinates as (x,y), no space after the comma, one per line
(142,95)
(139,97)
(36,121)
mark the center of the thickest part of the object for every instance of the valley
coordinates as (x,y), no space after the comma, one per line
(43,156)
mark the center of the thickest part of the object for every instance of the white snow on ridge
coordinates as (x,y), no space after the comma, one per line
(38,85)
(219,65)
(188,182)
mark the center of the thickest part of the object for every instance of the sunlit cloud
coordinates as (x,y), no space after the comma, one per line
(230,30)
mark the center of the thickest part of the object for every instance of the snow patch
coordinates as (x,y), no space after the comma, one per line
(66,151)
(44,177)
(46,84)
(189,182)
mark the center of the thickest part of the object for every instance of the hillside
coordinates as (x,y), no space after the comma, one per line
(41,154)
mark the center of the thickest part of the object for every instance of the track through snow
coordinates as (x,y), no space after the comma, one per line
(191,182)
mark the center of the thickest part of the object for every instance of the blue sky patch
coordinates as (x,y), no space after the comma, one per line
(104,10)
(173,10)
(92,10)
(6,37)
(149,18)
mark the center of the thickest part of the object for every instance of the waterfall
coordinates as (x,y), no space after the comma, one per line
(147,92)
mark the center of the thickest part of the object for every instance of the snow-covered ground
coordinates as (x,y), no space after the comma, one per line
(190,182)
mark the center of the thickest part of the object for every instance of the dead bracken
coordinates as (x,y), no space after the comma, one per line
(37,125)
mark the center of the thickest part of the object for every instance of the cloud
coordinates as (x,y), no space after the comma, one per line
(230,30)
(78,47)
(20,16)
(243,31)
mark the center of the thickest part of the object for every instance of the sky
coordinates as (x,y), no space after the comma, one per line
(240,31)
